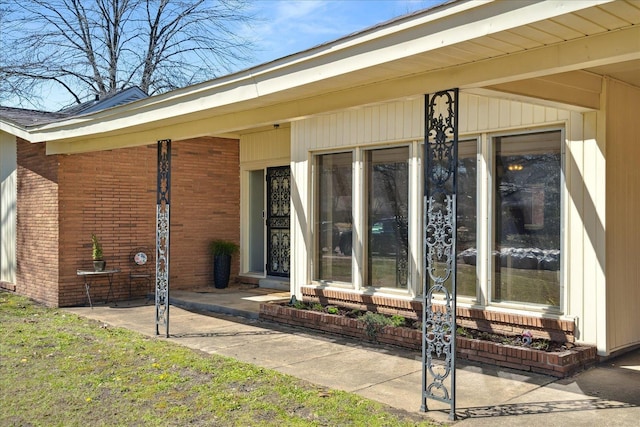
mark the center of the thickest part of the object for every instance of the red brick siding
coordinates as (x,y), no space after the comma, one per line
(111,194)
(37,253)
(205,205)
(62,200)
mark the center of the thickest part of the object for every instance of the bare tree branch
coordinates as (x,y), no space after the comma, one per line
(97,48)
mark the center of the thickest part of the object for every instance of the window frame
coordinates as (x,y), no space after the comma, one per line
(485,225)
(314,266)
(490,225)
(359,213)
(364,220)
(477,298)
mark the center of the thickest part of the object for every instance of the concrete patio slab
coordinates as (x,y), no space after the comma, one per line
(607,395)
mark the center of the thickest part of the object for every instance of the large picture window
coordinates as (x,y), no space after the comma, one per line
(387,213)
(526,218)
(333,225)
(466,218)
(509,254)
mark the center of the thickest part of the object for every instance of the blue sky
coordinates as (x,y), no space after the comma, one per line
(285,26)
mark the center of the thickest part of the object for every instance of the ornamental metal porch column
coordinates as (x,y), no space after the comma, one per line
(440,187)
(162,235)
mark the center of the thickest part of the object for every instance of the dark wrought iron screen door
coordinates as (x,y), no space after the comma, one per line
(278,221)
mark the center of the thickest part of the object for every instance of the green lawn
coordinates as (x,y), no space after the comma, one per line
(57,369)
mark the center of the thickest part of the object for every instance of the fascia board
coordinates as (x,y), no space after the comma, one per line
(597,49)
(12,129)
(295,76)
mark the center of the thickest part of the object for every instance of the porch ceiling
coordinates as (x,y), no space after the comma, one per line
(460,44)
(628,72)
(599,19)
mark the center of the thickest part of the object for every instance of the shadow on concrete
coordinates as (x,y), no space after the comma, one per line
(534,408)
(224,334)
(129,304)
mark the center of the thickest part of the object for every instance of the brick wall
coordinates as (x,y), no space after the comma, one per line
(113,194)
(37,252)
(482,320)
(205,205)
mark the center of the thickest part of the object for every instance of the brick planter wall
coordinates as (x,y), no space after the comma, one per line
(557,364)
(472,318)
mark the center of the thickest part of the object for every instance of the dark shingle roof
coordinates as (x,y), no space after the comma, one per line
(26,118)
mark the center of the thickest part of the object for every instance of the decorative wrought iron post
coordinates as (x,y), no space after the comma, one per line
(162,235)
(440,187)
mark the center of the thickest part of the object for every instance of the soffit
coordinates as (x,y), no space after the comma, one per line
(599,19)
(628,72)
(595,20)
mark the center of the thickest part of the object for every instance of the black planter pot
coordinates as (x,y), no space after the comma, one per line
(221,270)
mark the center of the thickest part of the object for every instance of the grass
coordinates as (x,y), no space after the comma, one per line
(58,369)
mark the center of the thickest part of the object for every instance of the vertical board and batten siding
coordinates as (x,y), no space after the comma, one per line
(396,121)
(301,205)
(585,268)
(266,147)
(623,213)
(8,201)
(402,121)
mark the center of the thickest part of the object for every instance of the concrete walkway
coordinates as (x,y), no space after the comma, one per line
(225,322)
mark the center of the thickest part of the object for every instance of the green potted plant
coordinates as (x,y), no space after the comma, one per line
(98,262)
(222,250)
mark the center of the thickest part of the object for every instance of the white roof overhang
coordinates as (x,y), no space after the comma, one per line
(13,129)
(466,44)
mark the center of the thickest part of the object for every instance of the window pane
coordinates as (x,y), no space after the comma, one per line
(387,209)
(466,245)
(333,217)
(526,250)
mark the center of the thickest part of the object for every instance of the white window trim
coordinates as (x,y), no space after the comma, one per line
(487,186)
(412,176)
(312,202)
(484,231)
(358,266)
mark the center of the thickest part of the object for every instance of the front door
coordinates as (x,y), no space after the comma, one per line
(278,221)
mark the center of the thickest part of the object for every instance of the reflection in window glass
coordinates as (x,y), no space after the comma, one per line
(333,217)
(387,209)
(526,241)
(466,245)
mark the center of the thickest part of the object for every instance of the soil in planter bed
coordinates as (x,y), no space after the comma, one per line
(536,343)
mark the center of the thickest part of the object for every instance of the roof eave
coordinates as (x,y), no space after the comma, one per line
(302,75)
(14,129)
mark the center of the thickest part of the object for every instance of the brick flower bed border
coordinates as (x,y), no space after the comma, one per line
(559,364)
